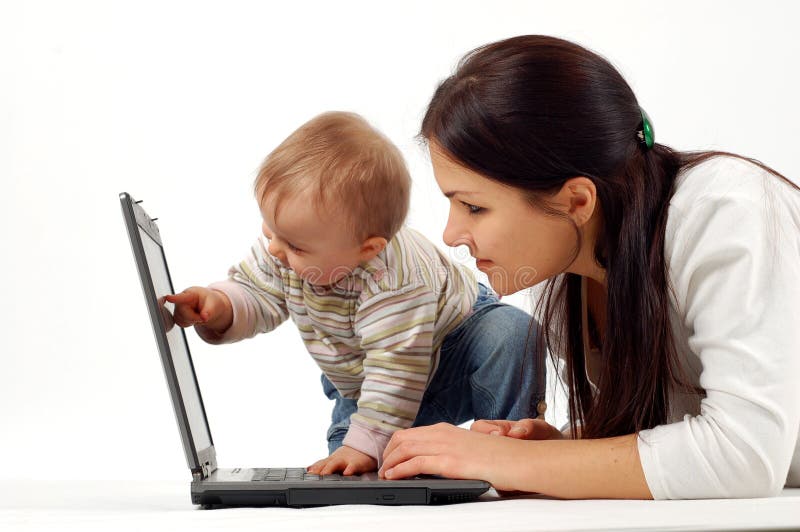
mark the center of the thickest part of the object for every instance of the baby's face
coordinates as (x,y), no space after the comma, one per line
(316,245)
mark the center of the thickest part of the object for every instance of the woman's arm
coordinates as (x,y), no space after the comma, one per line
(732,243)
(571,469)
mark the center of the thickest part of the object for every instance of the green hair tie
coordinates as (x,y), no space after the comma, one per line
(646,134)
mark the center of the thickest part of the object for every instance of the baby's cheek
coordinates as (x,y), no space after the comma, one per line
(311,274)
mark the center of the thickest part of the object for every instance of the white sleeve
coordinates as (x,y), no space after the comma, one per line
(735,271)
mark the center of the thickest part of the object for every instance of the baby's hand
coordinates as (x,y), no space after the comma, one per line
(347,460)
(201,306)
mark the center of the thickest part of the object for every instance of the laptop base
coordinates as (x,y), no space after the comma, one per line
(222,489)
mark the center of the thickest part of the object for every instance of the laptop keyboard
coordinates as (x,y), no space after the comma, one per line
(298,474)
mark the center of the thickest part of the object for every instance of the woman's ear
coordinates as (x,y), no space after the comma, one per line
(371,247)
(579,196)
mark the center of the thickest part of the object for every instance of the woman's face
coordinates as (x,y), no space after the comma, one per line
(515,244)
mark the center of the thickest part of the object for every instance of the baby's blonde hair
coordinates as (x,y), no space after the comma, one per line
(351,168)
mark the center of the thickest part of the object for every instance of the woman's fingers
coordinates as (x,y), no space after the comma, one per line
(398,450)
(421,450)
(405,437)
(495,427)
(419,465)
(451,452)
(501,427)
(539,429)
(524,429)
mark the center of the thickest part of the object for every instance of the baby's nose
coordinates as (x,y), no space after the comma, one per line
(276,251)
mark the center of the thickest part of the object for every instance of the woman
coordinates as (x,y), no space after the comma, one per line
(672,296)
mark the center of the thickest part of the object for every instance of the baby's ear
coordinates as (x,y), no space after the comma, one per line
(371,247)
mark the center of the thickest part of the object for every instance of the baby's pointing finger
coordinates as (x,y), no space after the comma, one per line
(182,298)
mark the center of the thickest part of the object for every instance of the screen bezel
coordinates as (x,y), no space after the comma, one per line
(136,218)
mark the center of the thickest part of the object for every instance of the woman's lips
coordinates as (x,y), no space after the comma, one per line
(483,263)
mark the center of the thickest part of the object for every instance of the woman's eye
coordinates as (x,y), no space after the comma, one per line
(473,209)
(294,249)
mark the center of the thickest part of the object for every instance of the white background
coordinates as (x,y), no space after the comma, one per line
(177,103)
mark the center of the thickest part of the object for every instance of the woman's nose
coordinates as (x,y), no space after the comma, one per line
(453,232)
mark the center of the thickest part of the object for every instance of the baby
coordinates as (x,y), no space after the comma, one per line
(403,336)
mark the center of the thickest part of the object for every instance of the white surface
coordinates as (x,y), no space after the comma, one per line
(154,506)
(178,102)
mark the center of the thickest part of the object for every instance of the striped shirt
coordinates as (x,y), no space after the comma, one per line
(376,333)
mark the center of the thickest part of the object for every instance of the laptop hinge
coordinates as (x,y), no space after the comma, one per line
(203,473)
(208,464)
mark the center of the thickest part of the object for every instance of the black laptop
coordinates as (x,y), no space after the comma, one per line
(273,486)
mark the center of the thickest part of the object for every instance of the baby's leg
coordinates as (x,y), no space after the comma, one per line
(340,416)
(489,368)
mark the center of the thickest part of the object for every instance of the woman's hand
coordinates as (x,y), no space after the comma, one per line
(524,429)
(451,452)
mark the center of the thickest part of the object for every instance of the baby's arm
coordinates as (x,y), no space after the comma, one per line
(251,300)
(255,289)
(207,310)
(396,331)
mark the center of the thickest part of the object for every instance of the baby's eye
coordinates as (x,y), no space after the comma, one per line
(473,209)
(293,249)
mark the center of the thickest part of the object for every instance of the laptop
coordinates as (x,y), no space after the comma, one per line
(267,486)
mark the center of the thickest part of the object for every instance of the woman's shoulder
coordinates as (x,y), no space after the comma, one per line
(726,207)
(734,188)
(732,236)
(727,177)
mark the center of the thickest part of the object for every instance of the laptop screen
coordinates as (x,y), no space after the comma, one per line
(179,351)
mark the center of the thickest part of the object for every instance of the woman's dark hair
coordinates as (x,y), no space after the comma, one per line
(532,112)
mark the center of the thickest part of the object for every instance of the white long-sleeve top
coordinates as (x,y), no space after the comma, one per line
(733,249)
